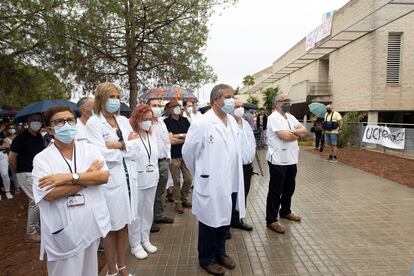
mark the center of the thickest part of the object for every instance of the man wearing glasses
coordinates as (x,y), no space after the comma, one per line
(283,132)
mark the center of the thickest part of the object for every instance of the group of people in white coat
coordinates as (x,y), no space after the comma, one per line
(99,179)
(76,209)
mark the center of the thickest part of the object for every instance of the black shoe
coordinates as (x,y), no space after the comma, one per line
(228,235)
(155,228)
(166,220)
(242,225)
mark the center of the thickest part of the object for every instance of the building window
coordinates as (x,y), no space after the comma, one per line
(394,58)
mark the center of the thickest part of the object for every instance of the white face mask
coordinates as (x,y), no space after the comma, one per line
(12,131)
(239,112)
(177,110)
(35,126)
(146,125)
(190,109)
(157,111)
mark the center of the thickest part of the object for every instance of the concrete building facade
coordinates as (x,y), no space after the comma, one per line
(366,64)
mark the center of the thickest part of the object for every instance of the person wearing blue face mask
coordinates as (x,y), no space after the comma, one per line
(110,132)
(67,178)
(214,159)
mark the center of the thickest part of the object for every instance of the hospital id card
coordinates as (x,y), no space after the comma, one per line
(76,200)
(150,168)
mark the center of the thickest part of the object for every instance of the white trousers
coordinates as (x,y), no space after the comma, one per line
(139,229)
(83,264)
(4,171)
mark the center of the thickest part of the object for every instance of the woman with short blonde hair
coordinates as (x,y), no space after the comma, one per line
(110,133)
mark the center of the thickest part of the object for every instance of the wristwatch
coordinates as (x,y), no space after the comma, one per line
(75,178)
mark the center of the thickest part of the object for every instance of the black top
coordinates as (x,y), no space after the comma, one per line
(258,125)
(26,146)
(175,127)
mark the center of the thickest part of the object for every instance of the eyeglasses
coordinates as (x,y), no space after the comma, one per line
(61,122)
(284,101)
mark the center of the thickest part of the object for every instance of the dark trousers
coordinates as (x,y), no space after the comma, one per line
(247,178)
(281,189)
(211,243)
(318,137)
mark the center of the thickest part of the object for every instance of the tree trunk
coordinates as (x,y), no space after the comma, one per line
(131,54)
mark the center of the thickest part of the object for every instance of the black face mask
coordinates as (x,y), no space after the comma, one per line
(329,110)
(286,107)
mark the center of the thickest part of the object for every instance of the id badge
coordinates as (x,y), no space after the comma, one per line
(150,168)
(76,200)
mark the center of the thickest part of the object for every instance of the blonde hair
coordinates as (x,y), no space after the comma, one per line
(102,93)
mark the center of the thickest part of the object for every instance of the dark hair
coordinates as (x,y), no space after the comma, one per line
(52,111)
(82,101)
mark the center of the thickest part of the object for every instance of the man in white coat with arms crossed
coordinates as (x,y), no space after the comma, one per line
(214,159)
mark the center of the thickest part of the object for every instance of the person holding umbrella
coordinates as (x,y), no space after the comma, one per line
(22,152)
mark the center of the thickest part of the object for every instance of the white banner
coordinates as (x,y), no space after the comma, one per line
(382,135)
(320,32)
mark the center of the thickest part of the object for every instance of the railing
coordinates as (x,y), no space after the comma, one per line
(320,88)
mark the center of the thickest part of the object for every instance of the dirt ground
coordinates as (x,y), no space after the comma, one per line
(16,256)
(392,167)
(20,258)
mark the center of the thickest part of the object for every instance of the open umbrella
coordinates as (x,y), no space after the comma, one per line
(318,109)
(250,106)
(40,107)
(125,110)
(169,93)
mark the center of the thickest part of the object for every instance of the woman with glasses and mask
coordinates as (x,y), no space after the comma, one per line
(146,157)
(67,178)
(110,133)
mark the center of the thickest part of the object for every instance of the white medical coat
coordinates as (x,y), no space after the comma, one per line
(206,156)
(140,156)
(122,208)
(78,226)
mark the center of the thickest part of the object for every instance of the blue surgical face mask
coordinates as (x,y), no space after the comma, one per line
(65,133)
(228,106)
(112,105)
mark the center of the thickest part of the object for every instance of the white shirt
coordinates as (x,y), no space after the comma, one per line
(145,148)
(81,134)
(247,142)
(160,130)
(281,152)
(74,228)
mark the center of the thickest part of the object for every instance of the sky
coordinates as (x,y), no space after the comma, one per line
(251,35)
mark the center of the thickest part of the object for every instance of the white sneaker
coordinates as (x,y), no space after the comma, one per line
(9,195)
(149,247)
(139,253)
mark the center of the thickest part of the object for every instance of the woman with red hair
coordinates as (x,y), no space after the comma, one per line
(146,156)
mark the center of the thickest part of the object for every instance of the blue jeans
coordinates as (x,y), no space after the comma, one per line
(331,139)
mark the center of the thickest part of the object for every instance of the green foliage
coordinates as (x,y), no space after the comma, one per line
(248,80)
(237,91)
(350,121)
(137,43)
(22,84)
(253,100)
(268,95)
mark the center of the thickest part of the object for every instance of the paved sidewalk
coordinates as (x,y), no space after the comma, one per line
(353,223)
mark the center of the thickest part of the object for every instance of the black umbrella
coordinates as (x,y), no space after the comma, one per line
(250,106)
(125,110)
